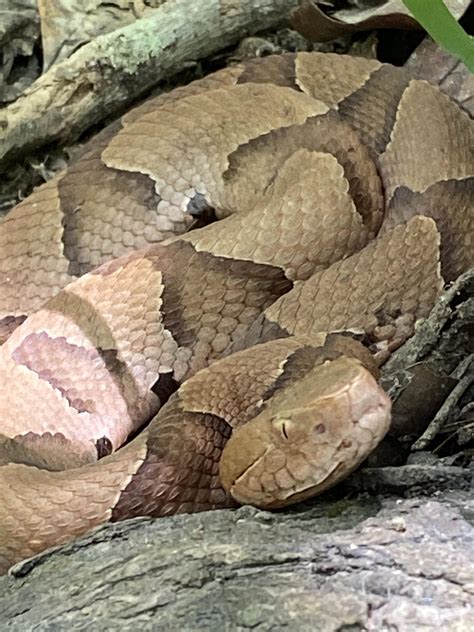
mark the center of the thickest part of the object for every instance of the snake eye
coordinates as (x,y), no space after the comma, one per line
(282,425)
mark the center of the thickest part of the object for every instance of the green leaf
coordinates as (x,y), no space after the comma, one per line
(435,18)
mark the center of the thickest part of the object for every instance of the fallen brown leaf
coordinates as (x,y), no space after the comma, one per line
(314,24)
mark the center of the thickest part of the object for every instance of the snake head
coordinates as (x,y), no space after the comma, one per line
(311,434)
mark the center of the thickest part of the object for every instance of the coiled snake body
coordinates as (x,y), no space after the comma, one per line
(343,190)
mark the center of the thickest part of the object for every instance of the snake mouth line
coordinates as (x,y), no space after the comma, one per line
(248,469)
(291,494)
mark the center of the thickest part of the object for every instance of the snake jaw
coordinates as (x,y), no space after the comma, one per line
(242,480)
(236,462)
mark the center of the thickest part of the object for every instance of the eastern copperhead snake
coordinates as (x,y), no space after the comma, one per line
(335,180)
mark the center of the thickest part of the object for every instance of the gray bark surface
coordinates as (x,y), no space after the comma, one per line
(361,564)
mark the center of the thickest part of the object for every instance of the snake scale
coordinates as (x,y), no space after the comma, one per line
(343,193)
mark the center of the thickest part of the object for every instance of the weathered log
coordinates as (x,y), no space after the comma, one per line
(118,67)
(363,564)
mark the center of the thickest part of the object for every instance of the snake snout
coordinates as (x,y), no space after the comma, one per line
(311,435)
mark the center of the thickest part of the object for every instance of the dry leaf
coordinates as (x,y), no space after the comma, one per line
(317,26)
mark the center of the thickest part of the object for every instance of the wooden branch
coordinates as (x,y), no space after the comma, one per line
(118,67)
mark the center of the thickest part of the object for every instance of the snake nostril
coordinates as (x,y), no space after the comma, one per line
(319,429)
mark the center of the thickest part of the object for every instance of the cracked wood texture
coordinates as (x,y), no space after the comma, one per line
(339,564)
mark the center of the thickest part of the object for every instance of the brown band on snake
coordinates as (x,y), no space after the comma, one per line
(301,162)
(320,303)
(279,70)
(180,472)
(233,293)
(259,159)
(455,220)
(104,211)
(372,109)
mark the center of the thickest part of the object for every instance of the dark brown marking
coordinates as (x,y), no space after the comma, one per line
(261,330)
(449,203)
(184,309)
(114,365)
(89,193)
(83,313)
(372,109)
(103,447)
(323,133)
(45,451)
(54,360)
(8,324)
(34,353)
(278,70)
(180,472)
(299,364)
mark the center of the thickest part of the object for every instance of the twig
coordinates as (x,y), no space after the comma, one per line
(466,368)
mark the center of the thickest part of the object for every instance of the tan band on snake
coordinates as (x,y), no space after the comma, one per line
(344,194)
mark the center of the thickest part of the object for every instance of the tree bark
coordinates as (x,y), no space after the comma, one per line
(114,69)
(364,564)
